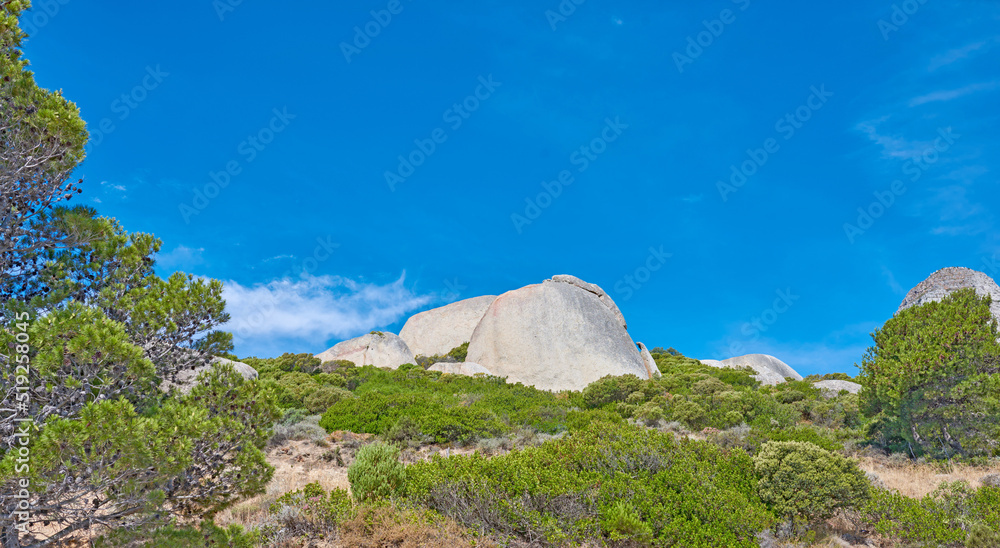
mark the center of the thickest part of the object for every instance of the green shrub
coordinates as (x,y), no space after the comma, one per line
(609,480)
(690,413)
(611,389)
(621,522)
(930,382)
(321,399)
(802,480)
(460,352)
(376,473)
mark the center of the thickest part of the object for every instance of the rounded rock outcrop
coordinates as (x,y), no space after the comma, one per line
(832,388)
(381,349)
(770,370)
(946,281)
(437,331)
(556,335)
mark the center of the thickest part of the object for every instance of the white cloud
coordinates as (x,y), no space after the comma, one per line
(181,257)
(693,198)
(303,314)
(892,146)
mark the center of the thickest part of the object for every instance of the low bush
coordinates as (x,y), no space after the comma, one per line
(949,516)
(376,472)
(805,482)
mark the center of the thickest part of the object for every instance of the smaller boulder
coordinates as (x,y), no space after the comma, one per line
(649,362)
(770,370)
(832,388)
(186,379)
(376,348)
(460,368)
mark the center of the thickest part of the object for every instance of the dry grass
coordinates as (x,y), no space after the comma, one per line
(401,528)
(916,480)
(296,463)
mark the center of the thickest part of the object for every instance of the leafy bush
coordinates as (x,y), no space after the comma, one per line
(460,352)
(321,400)
(611,389)
(679,493)
(940,518)
(930,380)
(376,472)
(802,480)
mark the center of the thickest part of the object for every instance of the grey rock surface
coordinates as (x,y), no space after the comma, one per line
(596,290)
(649,362)
(187,378)
(555,335)
(459,368)
(770,370)
(381,349)
(832,388)
(948,280)
(437,331)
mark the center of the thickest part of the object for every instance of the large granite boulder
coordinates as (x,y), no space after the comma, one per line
(376,348)
(770,370)
(949,280)
(186,379)
(459,368)
(437,331)
(832,388)
(556,335)
(596,290)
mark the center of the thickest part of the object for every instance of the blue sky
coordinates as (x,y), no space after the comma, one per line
(698,162)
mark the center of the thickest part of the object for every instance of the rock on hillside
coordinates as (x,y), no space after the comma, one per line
(770,370)
(948,280)
(437,331)
(460,368)
(561,334)
(187,378)
(377,348)
(832,388)
(649,362)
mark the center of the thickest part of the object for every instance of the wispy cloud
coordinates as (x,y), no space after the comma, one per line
(954,55)
(892,145)
(693,198)
(949,94)
(305,314)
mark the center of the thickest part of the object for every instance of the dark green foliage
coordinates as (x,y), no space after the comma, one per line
(608,481)
(611,389)
(460,352)
(930,380)
(947,517)
(801,480)
(172,536)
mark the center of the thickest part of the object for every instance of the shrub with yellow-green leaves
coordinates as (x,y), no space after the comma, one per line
(803,481)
